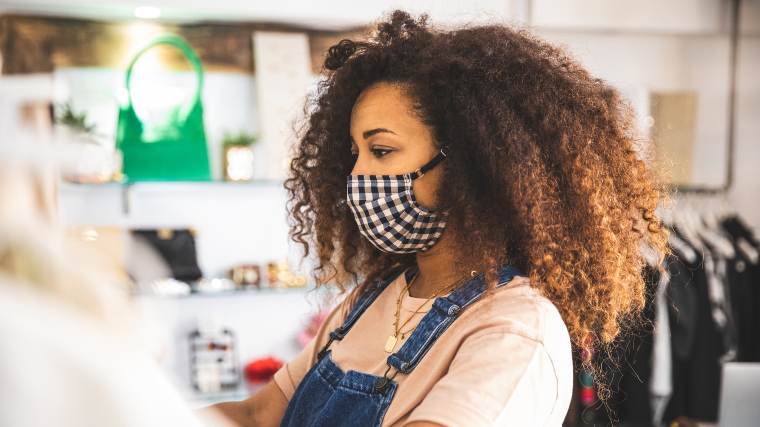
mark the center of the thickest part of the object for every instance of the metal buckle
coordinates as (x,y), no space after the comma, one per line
(381,385)
(419,172)
(325,348)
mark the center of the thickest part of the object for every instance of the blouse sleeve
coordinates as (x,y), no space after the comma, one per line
(498,377)
(290,374)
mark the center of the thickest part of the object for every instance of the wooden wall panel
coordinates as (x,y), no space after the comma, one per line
(33,44)
(319,43)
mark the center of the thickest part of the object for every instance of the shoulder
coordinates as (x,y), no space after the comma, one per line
(517,319)
(517,307)
(518,337)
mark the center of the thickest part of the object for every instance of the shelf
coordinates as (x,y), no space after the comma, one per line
(204,399)
(266,291)
(124,193)
(168,185)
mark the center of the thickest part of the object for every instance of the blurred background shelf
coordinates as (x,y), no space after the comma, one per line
(215,294)
(126,194)
(199,400)
(170,185)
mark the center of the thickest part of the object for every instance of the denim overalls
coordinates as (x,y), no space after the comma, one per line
(328,396)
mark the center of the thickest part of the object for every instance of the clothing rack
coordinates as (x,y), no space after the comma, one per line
(644,406)
(704,311)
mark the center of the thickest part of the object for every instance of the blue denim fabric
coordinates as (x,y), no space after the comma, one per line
(329,396)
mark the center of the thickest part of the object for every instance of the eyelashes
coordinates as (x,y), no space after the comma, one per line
(383,152)
(377,152)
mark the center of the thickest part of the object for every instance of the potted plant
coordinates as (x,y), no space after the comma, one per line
(238,156)
(90,156)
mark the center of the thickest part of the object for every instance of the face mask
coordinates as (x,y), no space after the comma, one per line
(388,214)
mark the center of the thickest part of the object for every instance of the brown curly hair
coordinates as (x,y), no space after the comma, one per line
(544,170)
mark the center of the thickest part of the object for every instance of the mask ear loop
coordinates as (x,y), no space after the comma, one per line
(442,154)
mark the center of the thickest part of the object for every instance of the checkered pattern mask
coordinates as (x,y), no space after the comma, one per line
(388,214)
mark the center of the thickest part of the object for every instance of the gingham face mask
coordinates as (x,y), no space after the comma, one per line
(388,214)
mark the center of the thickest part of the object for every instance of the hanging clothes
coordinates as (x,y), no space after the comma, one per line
(629,381)
(696,370)
(661,384)
(704,311)
(642,384)
(743,276)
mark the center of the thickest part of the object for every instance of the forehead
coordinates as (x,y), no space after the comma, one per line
(384,105)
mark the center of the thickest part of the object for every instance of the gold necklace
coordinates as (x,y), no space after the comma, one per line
(392,340)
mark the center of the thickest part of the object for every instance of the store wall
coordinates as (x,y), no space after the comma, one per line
(235,223)
(745,194)
(660,61)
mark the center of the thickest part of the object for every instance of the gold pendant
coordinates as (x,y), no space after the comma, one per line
(390,344)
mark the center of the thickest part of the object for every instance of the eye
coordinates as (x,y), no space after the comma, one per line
(377,152)
(380,152)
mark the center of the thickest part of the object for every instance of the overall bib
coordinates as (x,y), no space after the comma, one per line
(328,396)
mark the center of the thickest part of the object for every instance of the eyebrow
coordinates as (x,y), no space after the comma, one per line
(366,134)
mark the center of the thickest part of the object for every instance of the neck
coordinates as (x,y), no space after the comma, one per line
(436,269)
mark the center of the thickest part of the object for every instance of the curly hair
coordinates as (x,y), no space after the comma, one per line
(545,170)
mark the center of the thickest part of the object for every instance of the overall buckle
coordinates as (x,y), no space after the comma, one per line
(381,384)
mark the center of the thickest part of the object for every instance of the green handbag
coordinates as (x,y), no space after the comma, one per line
(174,150)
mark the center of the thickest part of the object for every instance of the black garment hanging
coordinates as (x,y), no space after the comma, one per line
(629,382)
(715,264)
(700,342)
(631,398)
(696,370)
(744,279)
(683,307)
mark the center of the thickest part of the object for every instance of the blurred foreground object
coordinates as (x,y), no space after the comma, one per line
(66,370)
(74,356)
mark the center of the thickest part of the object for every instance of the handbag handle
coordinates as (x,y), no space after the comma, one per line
(187,51)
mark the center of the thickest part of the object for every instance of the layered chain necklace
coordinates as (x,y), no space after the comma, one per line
(390,343)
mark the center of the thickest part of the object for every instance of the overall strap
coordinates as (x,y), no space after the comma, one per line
(361,304)
(442,314)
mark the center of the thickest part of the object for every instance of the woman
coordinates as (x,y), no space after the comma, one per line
(484,193)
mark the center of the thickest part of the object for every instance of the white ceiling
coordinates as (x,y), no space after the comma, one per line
(680,16)
(325,14)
